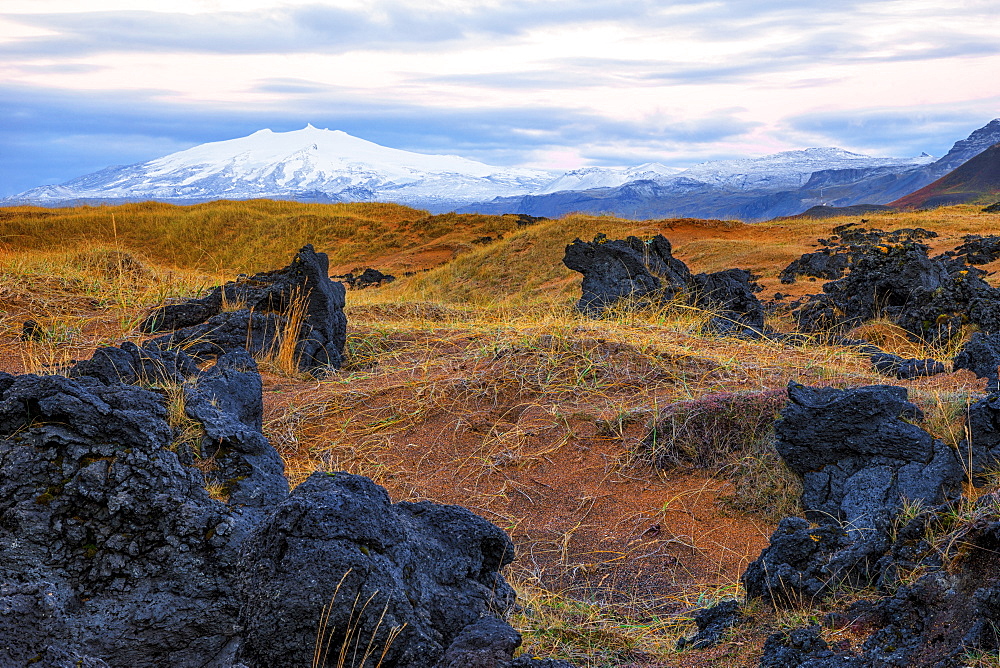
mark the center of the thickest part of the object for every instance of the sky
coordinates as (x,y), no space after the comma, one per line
(552,84)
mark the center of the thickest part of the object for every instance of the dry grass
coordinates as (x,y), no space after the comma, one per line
(474,382)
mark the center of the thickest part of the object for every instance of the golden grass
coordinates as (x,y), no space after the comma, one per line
(476,383)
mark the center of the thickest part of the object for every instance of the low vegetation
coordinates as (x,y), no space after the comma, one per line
(473,381)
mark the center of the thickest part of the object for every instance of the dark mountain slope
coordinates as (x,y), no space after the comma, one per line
(978,178)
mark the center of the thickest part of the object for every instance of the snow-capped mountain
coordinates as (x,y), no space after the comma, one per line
(788,170)
(608,177)
(303,164)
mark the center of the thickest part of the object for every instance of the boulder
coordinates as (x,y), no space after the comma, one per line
(486,643)
(803,648)
(616,269)
(950,612)
(981,356)
(981,450)
(154,527)
(861,460)
(366,279)
(116,543)
(929,297)
(647,273)
(860,456)
(730,294)
(825,263)
(803,561)
(258,312)
(129,364)
(712,624)
(419,573)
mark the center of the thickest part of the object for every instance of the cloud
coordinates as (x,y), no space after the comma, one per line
(51,136)
(311,28)
(897,131)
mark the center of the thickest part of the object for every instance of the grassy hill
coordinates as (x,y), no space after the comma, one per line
(473,381)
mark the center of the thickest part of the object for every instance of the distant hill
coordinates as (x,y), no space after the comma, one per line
(758,189)
(976,179)
(310,165)
(324,166)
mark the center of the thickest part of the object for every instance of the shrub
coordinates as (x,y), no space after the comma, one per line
(705,432)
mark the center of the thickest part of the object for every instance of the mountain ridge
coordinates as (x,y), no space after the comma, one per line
(320,165)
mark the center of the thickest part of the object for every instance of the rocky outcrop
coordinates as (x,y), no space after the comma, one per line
(153,526)
(981,356)
(861,459)
(647,273)
(106,531)
(826,264)
(614,269)
(931,298)
(712,624)
(950,611)
(981,450)
(937,573)
(860,456)
(730,295)
(129,364)
(364,279)
(421,572)
(976,249)
(259,312)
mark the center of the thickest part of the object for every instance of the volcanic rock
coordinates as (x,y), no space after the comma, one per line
(824,264)
(976,249)
(860,456)
(730,294)
(860,460)
(630,268)
(929,297)
(981,355)
(129,364)
(647,273)
(299,300)
(712,624)
(366,279)
(421,571)
(135,536)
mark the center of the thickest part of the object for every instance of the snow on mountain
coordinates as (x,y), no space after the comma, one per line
(324,165)
(310,163)
(788,170)
(608,177)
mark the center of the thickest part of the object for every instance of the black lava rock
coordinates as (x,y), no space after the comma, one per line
(860,456)
(487,643)
(132,365)
(614,269)
(929,297)
(803,648)
(981,356)
(422,572)
(648,273)
(730,293)
(366,279)
(825,264)
(136,536)
(297,301)
(860,460)
(712,624)
(976,249)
